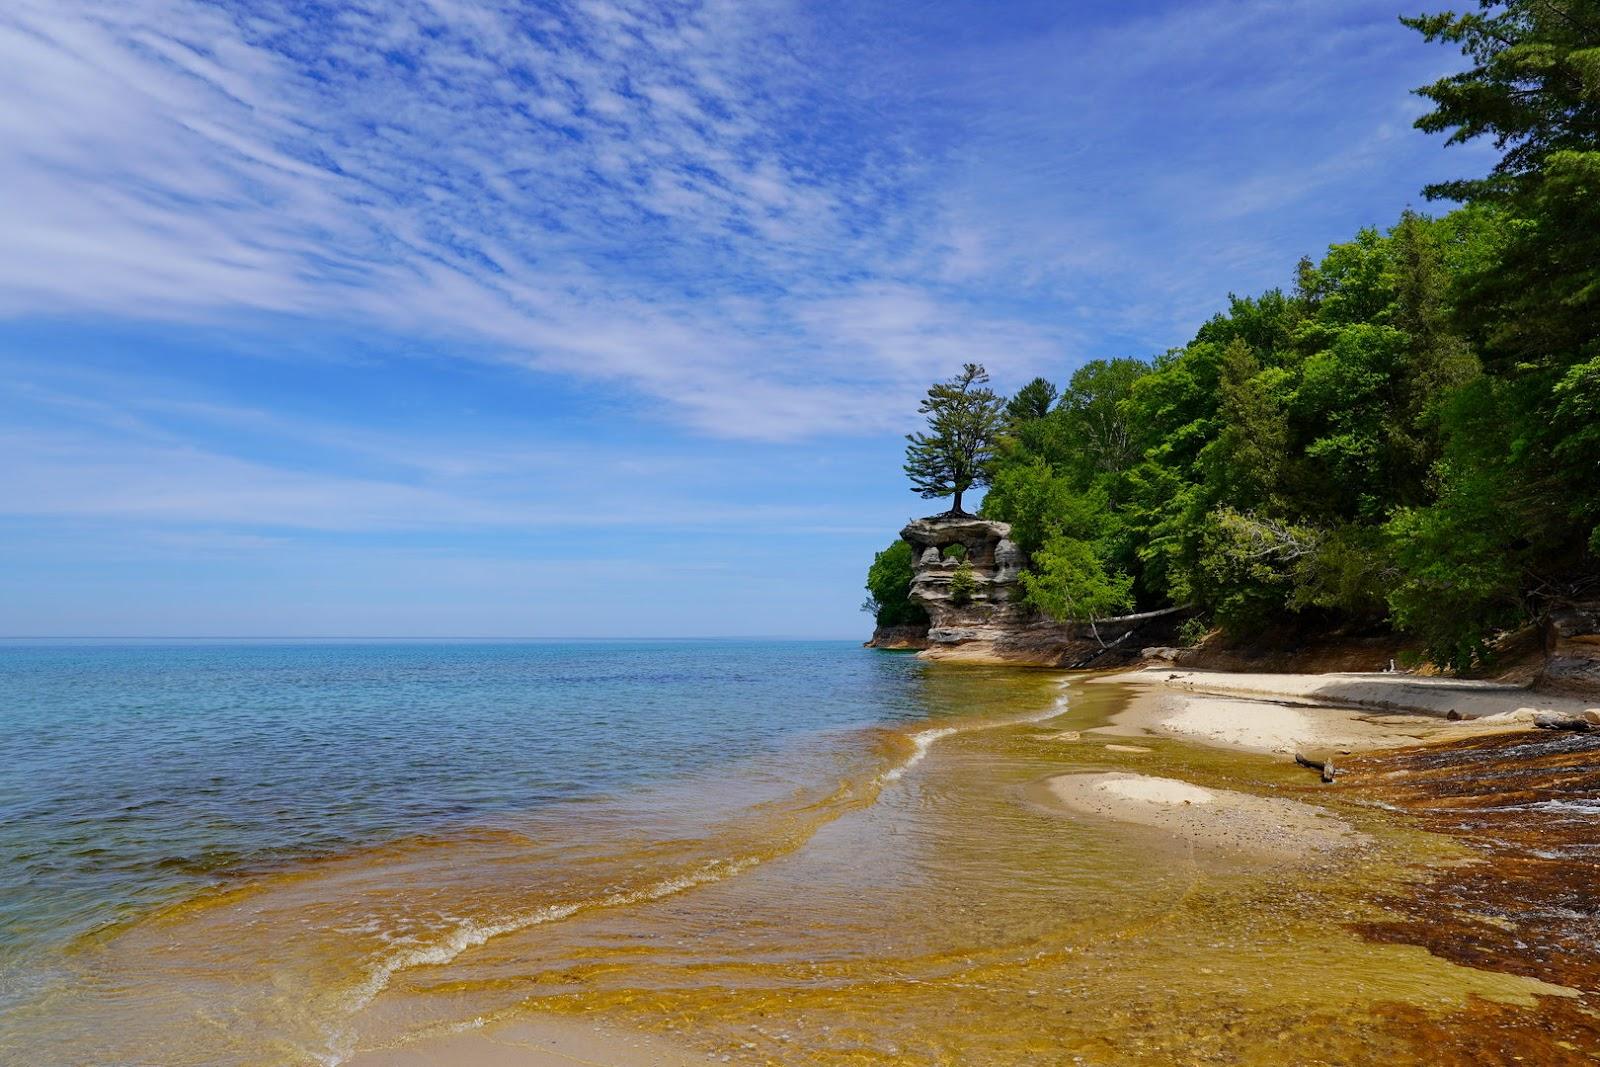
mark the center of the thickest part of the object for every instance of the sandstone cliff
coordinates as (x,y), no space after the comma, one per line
(978,618)
(970,595)
(1572,649)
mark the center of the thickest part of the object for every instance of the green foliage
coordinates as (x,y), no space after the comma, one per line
(1410,435)
(957,551)
(1094,420)
(889,587)
(1347,572)
(1033,401)
(1193,631)
(963,584)
(1259,471)
(1516,506)
(1459,582)
(1031,497)
(953,456)
(1069,580)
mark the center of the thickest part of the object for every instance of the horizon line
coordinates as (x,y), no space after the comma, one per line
(414,637)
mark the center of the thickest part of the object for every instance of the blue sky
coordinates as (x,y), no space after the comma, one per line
(444,317)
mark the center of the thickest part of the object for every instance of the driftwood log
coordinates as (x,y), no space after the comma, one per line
(1317,761)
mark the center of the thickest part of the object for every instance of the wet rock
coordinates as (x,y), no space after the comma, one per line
(1572,649)
(899,637)
(1564,720)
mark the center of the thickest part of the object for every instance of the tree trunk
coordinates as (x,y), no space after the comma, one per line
(955,509)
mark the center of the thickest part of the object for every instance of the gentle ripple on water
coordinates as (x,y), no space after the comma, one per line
(777,853)
(136,773)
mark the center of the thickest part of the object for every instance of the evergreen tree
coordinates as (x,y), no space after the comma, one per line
(1033,401)
(1516,521)
(953,456)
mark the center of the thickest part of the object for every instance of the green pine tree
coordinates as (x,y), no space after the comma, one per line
(953,456)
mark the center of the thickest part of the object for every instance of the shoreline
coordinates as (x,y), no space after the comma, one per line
(1374,690)
(1283,714)
(1221,829)
(1064,841)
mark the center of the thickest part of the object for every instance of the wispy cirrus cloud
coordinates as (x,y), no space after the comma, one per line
(299,302)
(773,219)
(653,194)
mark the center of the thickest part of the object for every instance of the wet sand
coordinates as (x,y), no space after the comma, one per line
(536,1043)
(1004,887)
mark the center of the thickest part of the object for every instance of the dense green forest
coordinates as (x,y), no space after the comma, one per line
(1406,435)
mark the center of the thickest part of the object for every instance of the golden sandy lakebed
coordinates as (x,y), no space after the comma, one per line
(984,889)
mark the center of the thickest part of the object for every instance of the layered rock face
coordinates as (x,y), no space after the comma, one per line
(899,637)
(993,562)
(1572,649)
(973,606)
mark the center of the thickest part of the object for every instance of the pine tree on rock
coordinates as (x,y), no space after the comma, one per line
(953,456)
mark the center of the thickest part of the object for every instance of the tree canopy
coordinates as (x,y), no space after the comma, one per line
(1408,436)
(889,587)
(953,456)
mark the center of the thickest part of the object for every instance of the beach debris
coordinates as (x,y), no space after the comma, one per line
(1454,715)
(1317,760)
(1127,748)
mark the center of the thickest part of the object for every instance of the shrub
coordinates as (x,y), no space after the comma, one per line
(962,584)
(889,587)
(1192,632)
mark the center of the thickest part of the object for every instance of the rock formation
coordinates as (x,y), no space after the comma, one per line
(975,613)
(1572,649)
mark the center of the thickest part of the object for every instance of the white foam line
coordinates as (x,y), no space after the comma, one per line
(920,743)
(924,739)
(471,933)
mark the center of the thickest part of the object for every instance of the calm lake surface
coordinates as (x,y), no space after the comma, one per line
(770,852)
(135,774)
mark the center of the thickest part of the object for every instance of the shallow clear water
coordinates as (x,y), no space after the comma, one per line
(132,774)
(775,853)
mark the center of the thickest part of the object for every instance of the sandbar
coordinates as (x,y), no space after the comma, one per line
(1218,819)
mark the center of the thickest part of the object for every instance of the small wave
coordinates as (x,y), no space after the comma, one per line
(1587,806)
(924,739)
(472,933)
(920,743)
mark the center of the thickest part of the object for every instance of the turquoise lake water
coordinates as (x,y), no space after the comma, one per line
(135,774)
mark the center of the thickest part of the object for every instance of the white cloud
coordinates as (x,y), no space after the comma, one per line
(672,197)
(610,191)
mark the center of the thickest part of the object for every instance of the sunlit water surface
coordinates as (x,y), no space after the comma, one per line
(781,853)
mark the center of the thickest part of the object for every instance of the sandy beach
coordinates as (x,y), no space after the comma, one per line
(1286,713)
(1225,831)
(1037,867)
